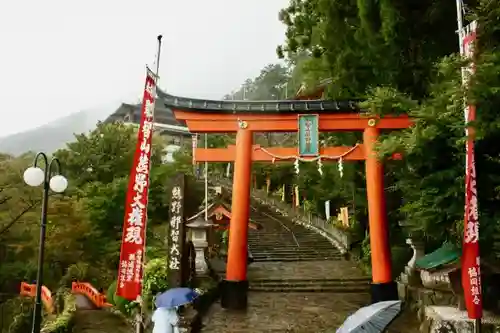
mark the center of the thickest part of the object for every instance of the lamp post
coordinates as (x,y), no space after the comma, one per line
(35,176)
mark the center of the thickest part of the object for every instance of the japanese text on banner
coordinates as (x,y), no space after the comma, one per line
(471,268)
(134,226)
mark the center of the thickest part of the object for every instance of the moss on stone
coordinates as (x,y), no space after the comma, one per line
(63,323)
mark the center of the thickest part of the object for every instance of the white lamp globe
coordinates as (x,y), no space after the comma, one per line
(58,184)
(34,176)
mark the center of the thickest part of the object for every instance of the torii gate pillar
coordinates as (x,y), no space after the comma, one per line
(234,288)
(383,286)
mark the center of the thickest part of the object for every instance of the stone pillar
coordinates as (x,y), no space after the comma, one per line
(410,276)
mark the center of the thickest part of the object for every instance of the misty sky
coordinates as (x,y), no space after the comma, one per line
(58,57)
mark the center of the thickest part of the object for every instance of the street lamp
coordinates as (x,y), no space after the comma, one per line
(35,176)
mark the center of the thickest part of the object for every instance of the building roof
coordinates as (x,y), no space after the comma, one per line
(447,254)
(163,115)
(225,210)
(281,106)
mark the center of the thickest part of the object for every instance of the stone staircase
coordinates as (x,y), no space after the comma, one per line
(300,246)
(282,240)
(323,285)
(298,281)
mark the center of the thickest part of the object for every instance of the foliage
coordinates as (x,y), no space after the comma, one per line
(398,58)
(16,314)
(64,321)
(84,225)
(122,304)
(365,43)
(155,279)
(270,84)
(103,155)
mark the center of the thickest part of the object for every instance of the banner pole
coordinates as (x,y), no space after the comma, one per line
(469,164)
(139,323)
(206,181)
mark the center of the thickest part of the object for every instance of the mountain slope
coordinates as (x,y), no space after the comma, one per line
(51,136)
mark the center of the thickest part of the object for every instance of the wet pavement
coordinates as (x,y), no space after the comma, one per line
(286,312)
(281,265)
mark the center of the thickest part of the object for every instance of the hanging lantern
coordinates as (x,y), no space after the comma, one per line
(297,197)
(341,168)
(320,167)
(296,165)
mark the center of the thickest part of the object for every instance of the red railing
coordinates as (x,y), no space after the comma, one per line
(86,289)
(29,290)
(82,288)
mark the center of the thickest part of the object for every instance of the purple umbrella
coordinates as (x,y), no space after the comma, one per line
(175,297)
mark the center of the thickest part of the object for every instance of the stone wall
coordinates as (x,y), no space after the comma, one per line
(444,319)
(340,239)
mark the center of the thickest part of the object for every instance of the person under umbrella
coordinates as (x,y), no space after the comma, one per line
(165,318)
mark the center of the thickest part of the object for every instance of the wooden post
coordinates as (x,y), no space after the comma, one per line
(177,234)
(383,287)
(234,288)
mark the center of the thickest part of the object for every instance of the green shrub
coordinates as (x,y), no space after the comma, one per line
(110,294)
(21,310)
(155,279)
(120,303)
(64,322)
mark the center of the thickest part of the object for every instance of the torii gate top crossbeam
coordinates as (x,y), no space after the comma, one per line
(209,116)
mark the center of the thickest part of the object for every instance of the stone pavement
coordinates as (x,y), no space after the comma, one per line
(323,269)
(298,312)
(286,312)
(99,321)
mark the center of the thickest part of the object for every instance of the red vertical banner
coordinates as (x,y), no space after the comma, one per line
(471,268)
(132,252)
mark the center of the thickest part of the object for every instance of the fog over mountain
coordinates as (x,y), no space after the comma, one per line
(53,135)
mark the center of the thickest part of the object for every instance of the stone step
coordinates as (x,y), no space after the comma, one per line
(295,255)
(353,285)
(366,279)
(288,238)
(276,241)
(309,289)
(296,258)
(263,256)
(290,244)
(291,247)
(257,252)
(297,233)
(285,233)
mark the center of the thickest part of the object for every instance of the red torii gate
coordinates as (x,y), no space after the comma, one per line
(246,117)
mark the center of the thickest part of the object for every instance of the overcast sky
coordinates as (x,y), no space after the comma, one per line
(62,56)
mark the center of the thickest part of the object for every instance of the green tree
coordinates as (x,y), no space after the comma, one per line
(103,154)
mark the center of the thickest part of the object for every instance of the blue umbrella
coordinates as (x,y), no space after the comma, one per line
(175,297)
(372,318)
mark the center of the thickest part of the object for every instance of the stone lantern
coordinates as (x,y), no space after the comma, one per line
(198,230)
